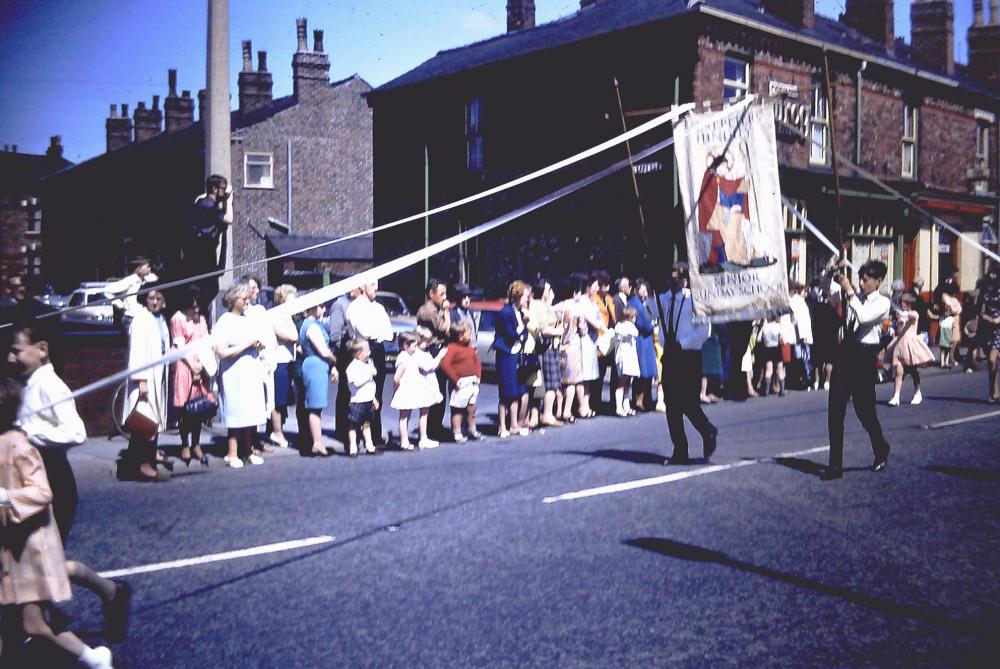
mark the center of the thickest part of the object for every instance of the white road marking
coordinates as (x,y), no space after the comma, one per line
(220,557)
(670,478)
(959,421)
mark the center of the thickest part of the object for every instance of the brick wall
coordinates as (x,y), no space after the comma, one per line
(947,145)
(331,138)
(89,357)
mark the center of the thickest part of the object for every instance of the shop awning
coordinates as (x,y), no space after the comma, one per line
(360,249)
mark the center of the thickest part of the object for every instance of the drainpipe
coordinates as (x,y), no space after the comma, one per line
(288,179)
(857,114)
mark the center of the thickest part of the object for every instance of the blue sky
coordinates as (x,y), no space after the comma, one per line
(63,62)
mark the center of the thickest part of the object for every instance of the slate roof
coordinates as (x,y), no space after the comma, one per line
(359,249)
(607,16)
(195,131)
(21,172)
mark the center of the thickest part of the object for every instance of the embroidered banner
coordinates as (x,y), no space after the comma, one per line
(727,168)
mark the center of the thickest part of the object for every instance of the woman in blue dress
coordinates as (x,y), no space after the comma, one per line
(511,333)
(645,322)
(318,370)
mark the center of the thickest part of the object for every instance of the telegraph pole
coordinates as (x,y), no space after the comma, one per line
(217,128)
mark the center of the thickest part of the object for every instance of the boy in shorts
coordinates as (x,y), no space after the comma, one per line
(361,375)
(463,368)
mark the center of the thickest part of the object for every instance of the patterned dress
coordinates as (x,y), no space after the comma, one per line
(991,308)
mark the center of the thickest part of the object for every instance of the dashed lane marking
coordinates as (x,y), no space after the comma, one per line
(670,478)
(220,557)
(959,421)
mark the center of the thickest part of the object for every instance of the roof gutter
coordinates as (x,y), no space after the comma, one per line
(819,44)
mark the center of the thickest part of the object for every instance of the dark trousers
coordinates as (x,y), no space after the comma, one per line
(435,415)
(378,359)
(597,387)
(682,394)
(200,258)
(63,484)
(853,378)
(344,392)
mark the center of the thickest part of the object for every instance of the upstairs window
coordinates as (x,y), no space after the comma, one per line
(258,170)
(735,78)
(982,146)
(474,136)
(909,148)
(819,129)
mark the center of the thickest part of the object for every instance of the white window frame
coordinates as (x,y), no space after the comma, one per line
(475,161)
(911,119)
(819,121)
(258,158)
(982,145)
(742,86)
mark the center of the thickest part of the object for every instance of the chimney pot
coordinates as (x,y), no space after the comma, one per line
(14,149)
(156,102)
(262,61)
(125,110)
(114,112)
(247,50)
(994,12)
(318,41)
(185,94)
(300,31)
(172,83)
(977,12)
(140,106)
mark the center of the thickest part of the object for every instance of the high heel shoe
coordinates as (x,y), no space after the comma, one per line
(187,460)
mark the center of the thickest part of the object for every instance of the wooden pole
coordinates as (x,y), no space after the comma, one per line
(833,158)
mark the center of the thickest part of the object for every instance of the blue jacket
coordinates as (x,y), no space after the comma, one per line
(644,343)
(506,330)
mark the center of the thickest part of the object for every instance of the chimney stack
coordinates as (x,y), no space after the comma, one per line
(520,15)
(147,121)
(118,128)
(255,85)
(587,3)
(178,111)
(310,69)
(873,19)
(55,150)
(932,35)
(800,13)
(984,43)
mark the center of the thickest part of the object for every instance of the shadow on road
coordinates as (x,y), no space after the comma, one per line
(960,400)
(811,467)
(638,457)
(982,475)
(691,553)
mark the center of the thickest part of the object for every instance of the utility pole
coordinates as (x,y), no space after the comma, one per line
(217,128)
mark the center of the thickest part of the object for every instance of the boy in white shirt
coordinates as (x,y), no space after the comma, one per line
(361,374)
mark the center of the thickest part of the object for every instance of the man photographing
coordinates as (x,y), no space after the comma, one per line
(854,366)
(210,216)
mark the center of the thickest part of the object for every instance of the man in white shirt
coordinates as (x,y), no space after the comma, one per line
(854,366)
(803,332)
(368,320)
(682,341)
(126,289)
(339,336)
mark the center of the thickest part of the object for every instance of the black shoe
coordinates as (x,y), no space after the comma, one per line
(677,460)
(881,460)
(711,443)
(116,613)
(832,474)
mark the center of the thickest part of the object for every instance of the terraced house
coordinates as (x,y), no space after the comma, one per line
(906,112)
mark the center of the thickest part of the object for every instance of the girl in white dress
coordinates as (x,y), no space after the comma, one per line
(626,358)
(416,387)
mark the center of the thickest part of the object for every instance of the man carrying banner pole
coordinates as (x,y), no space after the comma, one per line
(682,342)
(854,367)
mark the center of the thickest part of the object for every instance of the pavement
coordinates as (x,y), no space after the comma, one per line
(572,548)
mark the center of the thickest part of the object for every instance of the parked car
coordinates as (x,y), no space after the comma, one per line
(81,304)
(54,300)
(394,304)
(484,312)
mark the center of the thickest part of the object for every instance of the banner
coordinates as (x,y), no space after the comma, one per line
(727,168)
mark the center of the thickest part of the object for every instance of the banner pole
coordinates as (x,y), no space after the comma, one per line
(833,150)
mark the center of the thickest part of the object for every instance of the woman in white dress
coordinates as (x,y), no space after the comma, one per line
(241,376)
(148,341)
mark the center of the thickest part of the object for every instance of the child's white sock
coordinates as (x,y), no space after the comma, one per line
(96,658)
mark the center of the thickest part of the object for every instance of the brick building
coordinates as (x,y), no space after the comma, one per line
(21,208)
(475,116)
(301,165)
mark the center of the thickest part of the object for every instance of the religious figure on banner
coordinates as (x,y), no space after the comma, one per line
(727,230)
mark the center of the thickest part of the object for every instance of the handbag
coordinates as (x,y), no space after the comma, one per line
(141,423)
(202,407)
(605,342)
